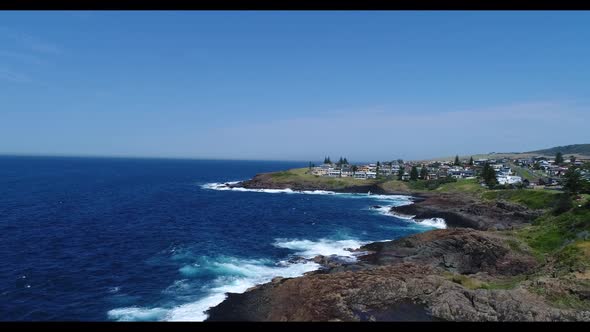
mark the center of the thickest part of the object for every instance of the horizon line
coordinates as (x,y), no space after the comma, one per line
(3,154)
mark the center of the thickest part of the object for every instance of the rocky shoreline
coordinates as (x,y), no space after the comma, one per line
(266,181)
(461,210)
(467,272)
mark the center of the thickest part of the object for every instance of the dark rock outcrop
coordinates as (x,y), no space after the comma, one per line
(407,272)
(460,210)
(458,250)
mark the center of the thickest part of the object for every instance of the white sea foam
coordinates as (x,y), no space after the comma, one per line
(324,247)
(137,314)
(399,199)
(237,275)
(234,276)
(433,222)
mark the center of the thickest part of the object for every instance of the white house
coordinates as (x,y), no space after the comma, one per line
(371,175)
(334,173)
(360,175)
(508,179)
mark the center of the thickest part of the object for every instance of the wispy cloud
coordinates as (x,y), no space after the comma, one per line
(21,57)
(19,51)
(30,42)
(36,44)
(13,76)
(397,132)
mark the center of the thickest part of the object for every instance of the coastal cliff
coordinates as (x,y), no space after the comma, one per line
(479,269)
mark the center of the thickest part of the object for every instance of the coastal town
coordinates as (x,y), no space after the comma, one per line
(531,172)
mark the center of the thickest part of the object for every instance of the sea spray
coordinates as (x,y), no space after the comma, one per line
(234,275)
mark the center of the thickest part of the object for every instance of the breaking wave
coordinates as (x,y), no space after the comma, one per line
(233,275)
(236,275)
(402,199)
(433,222)
(324,247)
(397,200)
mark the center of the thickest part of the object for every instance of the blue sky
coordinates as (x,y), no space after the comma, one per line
(292,85)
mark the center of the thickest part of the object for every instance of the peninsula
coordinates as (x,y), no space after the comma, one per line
(518,252)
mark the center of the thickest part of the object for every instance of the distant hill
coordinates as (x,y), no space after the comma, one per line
(583,149)
(578,150)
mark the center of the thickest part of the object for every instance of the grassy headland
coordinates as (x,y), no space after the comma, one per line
(304,177)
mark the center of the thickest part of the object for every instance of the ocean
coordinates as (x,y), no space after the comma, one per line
(115,239)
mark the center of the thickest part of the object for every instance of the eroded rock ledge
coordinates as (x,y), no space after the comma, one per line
(462,210)
(418,272)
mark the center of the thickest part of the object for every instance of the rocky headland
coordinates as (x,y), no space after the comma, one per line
(475,270)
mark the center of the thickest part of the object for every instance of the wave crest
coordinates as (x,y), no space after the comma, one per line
(234,275)
(324,247)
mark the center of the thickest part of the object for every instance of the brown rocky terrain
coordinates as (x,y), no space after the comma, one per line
(430,276)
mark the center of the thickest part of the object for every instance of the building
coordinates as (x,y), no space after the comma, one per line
(508,179)
(360,175)
(334,173)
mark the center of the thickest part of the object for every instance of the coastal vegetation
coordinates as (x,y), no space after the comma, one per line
(565,236)
(534,199)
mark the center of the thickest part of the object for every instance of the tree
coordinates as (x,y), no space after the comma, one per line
(414,173)
(327,160)
(489,175)
(563,204)
(536,166)
(558,158)
(377,169)
(470,161)
(572,159)
(400,161)
(457,163)
(354,169)
(573,181)
(423,173)
(310,165)
(345,161)
(400,173)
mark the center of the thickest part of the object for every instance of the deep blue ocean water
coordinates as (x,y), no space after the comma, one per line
(95,239)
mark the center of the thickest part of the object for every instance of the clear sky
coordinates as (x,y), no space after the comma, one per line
(292,85)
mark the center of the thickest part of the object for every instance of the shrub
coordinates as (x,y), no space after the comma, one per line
(563,204)
(432,184)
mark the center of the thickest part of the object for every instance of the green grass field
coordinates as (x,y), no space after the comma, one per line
(463,185)
(525,173)
(303,176)
(534,199)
